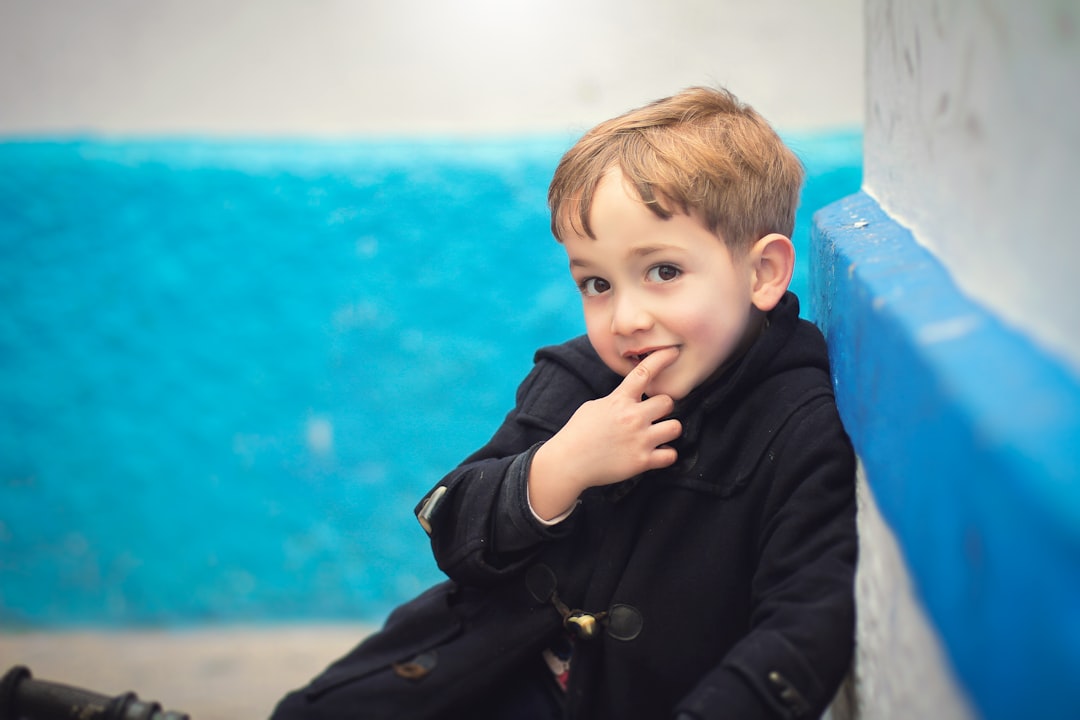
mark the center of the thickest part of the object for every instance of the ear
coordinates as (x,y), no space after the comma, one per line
(772,261)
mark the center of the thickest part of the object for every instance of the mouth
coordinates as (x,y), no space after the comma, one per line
(636,356)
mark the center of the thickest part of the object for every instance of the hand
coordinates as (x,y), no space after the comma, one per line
(606,441)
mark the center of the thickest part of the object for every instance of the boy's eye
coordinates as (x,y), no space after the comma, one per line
(594,286)
(662,273)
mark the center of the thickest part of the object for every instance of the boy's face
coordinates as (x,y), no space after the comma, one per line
(649,283)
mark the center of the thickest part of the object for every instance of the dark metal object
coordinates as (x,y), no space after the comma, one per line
(23,698)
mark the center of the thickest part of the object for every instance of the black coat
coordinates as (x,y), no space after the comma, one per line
(736,564)
(724,584)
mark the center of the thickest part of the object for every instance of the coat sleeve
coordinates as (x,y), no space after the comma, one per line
(478,516)
(801,640)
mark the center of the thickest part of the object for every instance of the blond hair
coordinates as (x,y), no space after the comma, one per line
(700,152)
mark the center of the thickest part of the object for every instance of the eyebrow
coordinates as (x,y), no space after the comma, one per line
(652,250)
(640,252)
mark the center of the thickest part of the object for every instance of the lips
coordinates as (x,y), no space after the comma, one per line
(636,356)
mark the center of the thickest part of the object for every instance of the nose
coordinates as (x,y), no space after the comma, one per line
(629,314)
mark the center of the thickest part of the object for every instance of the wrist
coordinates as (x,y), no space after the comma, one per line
(552,493)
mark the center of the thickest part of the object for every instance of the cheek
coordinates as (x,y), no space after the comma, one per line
(719,331)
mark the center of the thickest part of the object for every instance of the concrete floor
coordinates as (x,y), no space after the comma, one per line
(232,673)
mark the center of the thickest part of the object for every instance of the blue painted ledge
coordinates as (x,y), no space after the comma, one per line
(970,436)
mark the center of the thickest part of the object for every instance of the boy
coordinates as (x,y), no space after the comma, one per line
(663,526)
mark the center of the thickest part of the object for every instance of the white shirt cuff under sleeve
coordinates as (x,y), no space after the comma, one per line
(553,521)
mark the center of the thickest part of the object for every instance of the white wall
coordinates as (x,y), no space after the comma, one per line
(901,671)
(973,142)
(414,66)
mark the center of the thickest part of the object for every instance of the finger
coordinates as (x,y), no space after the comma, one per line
(665,432)
(638,379)
(657,407)
(662,457)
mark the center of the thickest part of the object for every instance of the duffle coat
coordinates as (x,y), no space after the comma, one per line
(724,583)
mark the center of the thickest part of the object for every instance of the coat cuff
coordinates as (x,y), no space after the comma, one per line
(517,527)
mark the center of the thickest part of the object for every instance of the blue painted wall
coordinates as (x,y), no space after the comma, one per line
(970,436)
(229,370)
